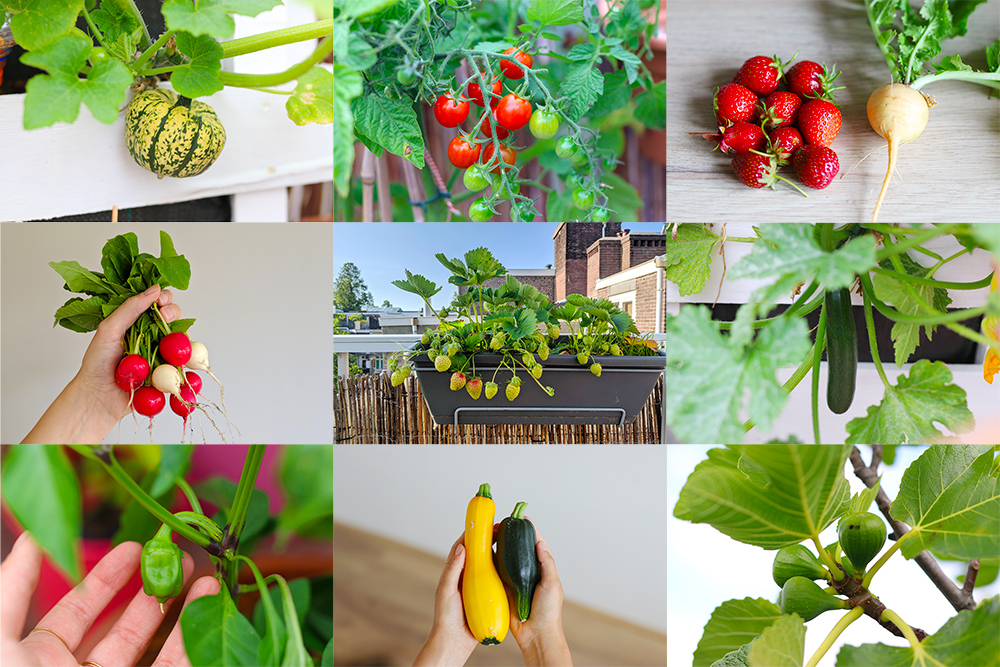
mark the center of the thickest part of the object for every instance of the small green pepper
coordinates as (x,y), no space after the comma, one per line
(160,566)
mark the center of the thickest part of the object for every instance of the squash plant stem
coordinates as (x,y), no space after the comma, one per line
(258,80)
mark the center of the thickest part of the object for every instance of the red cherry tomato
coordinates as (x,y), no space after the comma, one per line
(450,112)
(487,129)
(507,154)
(513,112)
(463,152)
(475,93)
(511,70)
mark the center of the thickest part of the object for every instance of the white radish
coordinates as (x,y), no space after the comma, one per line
(167,379)
(897,113)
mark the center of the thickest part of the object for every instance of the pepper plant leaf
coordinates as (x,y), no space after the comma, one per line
(950,503)
(706,368)
(771,496)
(910,408)
(689,257)
(969,638)
(733,624)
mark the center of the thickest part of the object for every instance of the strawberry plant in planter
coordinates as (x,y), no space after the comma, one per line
(479,70)
(789,497)
(600,372)
(820,266)
(170,133)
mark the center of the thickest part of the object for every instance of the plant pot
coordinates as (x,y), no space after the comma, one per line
(581,398)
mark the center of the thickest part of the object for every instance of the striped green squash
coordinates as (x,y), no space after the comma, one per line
(172,135)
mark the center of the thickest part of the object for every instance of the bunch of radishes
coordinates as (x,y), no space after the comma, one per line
(770,116)
(149,398)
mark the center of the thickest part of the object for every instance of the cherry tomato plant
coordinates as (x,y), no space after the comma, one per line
(556,83)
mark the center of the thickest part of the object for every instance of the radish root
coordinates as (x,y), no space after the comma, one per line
(897,113)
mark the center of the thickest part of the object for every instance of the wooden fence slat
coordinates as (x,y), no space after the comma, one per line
(367,409)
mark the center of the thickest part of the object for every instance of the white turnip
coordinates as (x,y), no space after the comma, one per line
(167,379)
(897,113)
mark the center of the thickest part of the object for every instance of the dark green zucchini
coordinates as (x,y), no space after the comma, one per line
(517,560)
(841,350)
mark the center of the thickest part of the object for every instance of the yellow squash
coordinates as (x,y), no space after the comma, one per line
(483,595)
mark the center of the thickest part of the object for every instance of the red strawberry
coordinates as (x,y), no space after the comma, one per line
(740,137)
(812,80)
(733,102)
(819,122)
(784,142)
(759,171)
(760,74)
(781,108)
(816,166)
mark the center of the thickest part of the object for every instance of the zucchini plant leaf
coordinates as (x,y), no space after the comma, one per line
(910,408)
(733,624)
(783,644)
(199,76)
(944,496)
(905,336)
(689,257)
(969,638)
(806,492)
(705,368)
(36,23)
(211,17)
(312,99)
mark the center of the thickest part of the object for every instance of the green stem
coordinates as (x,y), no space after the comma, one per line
(990,79)
(267,40)
(820,336)
(931,282)
(484,491)
(151,51)
(803,311)
(870,574)
(884,47)
(891,616)
(250,588)
(792,382)
(261,80)
(199,520)
(189,494)
(913,241)
(130,7)
(518,512)
(943,318)
(149,503)
(841,625)
(828,560)
(867,293)
(93,28)
(265,599)
(251,466)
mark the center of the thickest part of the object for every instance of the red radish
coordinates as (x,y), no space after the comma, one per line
(148,401)
(167,379)
(175,348)
(816,166)
(184,405)
(132,371)
(734,102)
(193,380)
(740,137)
(760,74)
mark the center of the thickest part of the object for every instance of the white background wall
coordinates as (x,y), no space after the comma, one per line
(600,508)
(261,295)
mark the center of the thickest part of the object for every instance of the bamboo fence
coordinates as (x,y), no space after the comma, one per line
(367,409)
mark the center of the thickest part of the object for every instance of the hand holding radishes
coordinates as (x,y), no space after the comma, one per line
(142,336)
(898,111)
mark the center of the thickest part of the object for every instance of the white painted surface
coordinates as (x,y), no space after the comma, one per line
(600,508)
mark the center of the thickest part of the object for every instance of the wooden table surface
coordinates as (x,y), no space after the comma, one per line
(383,607)
(950,173)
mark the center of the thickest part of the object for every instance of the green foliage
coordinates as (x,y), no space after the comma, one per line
(350,293)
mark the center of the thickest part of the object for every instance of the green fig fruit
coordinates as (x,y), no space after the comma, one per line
(803,597)
(862,536)
(796,561)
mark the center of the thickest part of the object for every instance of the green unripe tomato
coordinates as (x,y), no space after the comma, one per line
(98,54)
(480,211)
(161,566)
(862,536)
(525,213)
(497,185)
(579,160)
(405,76)
(543,124)
(646,4)
(600,215)
(475,178)
(566,148)
(796,561)
(803,597)
(582,199)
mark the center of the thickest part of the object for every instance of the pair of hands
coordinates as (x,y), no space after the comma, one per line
(91,404)
(540,638)
(124,644)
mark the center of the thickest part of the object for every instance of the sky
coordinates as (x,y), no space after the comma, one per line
(382,251)
(706,568)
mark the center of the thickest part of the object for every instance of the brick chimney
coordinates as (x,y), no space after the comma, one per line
(604,258)
(640,247)
(571,241)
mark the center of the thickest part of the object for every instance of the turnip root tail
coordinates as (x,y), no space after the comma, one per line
(897,113)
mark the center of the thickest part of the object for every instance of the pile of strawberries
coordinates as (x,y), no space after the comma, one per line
(770,116)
